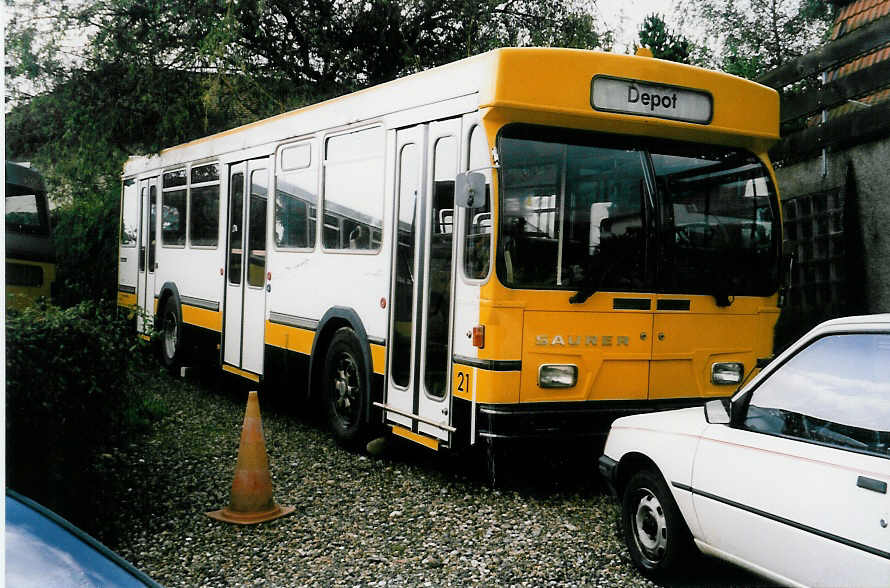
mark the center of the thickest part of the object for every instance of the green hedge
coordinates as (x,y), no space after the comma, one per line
(70,394)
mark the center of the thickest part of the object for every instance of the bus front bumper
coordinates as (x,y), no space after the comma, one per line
(563,420)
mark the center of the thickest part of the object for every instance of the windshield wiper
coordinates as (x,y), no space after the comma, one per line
(593,277)
(583,294)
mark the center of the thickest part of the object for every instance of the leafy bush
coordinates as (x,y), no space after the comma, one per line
(70,394)
(86,241)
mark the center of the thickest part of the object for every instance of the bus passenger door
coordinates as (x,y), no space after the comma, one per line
(148,240)
(407,257)
(417,391)
(434,398)
(245,303)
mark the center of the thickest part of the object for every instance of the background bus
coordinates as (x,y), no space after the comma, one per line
(30,255)
(622,254)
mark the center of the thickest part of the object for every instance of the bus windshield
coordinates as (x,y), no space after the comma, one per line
(588,212)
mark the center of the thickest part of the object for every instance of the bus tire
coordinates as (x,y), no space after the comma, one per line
(171,340)
(345,388)
(656,535)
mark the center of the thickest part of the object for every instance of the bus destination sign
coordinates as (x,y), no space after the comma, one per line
(625,96)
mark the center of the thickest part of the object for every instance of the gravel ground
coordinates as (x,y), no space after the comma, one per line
(407,517)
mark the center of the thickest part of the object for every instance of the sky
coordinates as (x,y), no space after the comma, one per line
(625,17)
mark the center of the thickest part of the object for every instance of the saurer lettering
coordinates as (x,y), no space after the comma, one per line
(583,340)
(653,101)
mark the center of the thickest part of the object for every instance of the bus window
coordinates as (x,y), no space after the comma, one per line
(331,232)
(152,226)
(130,216)
(142,195)
(403,302)
(26,213)
(292,225)
(236,208)
(296,157)
(358,235)
(204,219)
(173,214)
(295,193)
(256,270)
(204,206)
(353,188)
(439,304)
(205,173)
(477,229)
(572,214)
(718,224)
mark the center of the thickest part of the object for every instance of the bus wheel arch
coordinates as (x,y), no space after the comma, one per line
(341,336)
(171,340)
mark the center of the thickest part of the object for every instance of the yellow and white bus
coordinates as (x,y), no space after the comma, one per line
(523,244)
(30,254)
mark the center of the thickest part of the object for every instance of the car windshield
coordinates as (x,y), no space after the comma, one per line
(583,210)
(834,391)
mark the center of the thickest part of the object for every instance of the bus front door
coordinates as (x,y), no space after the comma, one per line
(418,389)
(245,301)
(148,241)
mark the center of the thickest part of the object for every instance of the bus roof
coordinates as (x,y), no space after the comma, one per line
(537,85)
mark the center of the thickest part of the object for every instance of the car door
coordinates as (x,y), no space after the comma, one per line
(798,487)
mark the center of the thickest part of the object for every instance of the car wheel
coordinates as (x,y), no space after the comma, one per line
(654,530)
(171,335)
(346,395)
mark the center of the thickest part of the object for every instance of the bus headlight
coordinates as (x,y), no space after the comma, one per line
(727,373)
(557,376)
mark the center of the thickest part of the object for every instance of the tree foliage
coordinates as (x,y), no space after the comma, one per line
(665,43)
(93,81)
(756,36)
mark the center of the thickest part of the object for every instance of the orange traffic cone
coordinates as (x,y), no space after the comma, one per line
(251,500)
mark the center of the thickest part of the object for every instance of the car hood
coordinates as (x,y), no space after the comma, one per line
(688,421)
(42,549)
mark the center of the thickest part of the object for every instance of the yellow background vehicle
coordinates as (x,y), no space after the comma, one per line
(30,256)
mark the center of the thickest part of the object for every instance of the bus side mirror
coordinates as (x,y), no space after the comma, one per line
(469,190)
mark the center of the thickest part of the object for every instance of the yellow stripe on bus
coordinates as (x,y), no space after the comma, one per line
(378,358)
(301,340)
(491,386)
(290,338)
(239,372)
(411,436)
(127,300)
(202,317)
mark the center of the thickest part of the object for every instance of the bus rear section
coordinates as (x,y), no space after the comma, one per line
(30,255)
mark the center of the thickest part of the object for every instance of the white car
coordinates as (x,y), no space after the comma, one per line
(788,478)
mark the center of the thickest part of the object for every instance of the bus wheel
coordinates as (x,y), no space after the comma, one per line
(171,335)
(346,396)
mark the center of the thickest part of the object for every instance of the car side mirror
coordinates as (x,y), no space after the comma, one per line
(469,190)
(717,412)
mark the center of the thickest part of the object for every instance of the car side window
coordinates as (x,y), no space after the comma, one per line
(835,391)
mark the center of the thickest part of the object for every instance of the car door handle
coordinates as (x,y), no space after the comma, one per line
(872,484)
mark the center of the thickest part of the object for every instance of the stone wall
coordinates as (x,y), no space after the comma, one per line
(836,254)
